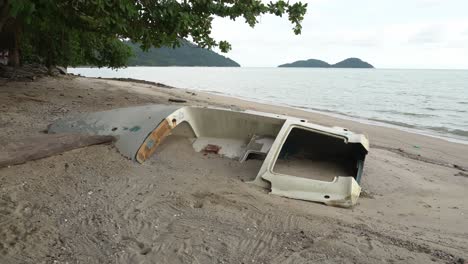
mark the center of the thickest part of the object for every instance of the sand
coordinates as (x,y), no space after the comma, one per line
(91,205)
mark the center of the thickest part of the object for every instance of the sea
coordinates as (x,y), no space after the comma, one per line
(430,102)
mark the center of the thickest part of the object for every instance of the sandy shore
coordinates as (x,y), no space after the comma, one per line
(93,206)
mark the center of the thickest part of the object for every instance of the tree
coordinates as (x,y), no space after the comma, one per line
(10,32)
(70,32)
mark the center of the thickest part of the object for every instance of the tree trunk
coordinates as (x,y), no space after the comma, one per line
(14,52)
(4,10)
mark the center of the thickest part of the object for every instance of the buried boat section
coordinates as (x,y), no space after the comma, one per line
(301,160)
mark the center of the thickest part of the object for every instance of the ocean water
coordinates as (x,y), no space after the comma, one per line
(433,102)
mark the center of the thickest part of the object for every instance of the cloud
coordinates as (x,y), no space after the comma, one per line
(430,3)
(428,35)
(359,38)
(465,32)
(447,33)
(401,33)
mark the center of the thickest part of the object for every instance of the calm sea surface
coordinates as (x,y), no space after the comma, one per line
(432,102)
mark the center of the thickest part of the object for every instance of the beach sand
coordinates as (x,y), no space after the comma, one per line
(91,205)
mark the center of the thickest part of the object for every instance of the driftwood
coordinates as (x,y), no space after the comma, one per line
(175,100)
(42,146)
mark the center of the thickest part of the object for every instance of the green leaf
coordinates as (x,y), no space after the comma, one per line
(89,32)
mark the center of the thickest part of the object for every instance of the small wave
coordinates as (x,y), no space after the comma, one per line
(442,109)
(396,123)
(323,110)
(462,102)
(213,92)
(405,113)
(458,132)
(417,115)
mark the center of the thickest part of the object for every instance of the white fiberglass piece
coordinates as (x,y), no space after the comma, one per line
(301,160)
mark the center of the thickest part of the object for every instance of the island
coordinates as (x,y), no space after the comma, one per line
(314,63)
(188,54)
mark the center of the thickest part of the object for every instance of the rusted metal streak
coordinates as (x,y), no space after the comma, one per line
(153,140)
(211,148)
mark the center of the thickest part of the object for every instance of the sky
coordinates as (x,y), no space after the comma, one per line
(414,34)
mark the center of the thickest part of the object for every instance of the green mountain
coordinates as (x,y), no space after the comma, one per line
(352,63)
(188,54)
(313,63)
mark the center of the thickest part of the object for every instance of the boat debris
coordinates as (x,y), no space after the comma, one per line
(302,160)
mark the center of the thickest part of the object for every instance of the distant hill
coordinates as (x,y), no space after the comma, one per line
(313,63)
(188,54)
(352,63)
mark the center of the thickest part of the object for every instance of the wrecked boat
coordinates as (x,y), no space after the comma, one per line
(302,160)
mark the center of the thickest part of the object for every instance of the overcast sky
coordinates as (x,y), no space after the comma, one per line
(386,33)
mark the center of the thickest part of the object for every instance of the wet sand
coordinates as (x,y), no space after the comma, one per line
(91,205)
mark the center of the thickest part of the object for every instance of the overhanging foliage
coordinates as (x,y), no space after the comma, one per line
(71,32)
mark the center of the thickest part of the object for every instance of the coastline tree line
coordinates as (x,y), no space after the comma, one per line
(92,32)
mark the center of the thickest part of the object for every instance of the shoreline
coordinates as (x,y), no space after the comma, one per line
(445,135)
(362,120)
(386,137)
(417,131)
(431,149)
